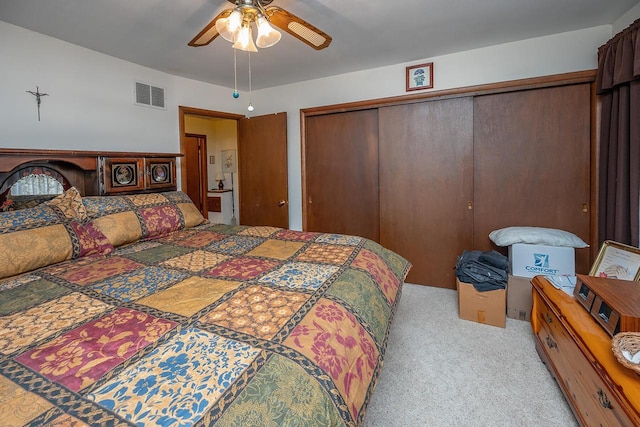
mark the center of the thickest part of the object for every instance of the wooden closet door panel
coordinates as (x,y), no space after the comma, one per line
(426,172)
(341,173)
(532,162)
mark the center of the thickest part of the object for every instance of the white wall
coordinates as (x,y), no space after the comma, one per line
(90,106)
(627,19)
(90,102)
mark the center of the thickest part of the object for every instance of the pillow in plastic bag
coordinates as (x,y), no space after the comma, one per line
(536,236)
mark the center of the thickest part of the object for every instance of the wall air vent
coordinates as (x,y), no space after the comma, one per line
(149,96)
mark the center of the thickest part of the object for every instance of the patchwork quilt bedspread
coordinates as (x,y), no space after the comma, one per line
(215,324)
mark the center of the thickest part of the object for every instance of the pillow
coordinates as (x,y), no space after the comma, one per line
(47,234)
(129,218)
(14,203)
(61,209)
(26,250)
(536,236)
(68,205)
(120,228)
(88,240)
(26,219)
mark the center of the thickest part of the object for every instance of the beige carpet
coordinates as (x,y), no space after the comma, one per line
(443,371)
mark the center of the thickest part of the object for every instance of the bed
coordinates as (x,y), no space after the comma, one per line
(133,309)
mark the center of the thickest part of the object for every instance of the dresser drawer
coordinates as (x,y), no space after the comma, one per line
(593,400)
(214,204)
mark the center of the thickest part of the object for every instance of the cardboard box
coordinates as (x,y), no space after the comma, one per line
(531,260)
(519,298)
(488,307)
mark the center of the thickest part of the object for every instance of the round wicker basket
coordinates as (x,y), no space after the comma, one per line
(626,343)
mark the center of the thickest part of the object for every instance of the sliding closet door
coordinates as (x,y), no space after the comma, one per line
(532,162)
(426,173)
(340,173)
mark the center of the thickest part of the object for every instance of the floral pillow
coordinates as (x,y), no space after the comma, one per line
(66,207)
(69,205)
(47,234)
(129,218)
(88,240)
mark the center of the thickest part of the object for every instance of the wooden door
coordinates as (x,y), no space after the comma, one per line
(532,157)
(340,188)
(196,170)
(426,173)
(262,170)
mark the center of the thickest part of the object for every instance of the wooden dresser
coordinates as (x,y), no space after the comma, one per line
(577,352)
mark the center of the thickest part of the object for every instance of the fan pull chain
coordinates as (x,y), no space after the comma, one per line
(235,75)
(250,107)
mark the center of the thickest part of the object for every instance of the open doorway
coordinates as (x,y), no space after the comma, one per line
(260,186)
(205,138)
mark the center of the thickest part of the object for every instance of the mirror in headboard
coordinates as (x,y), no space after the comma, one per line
(29,177)
(31,185)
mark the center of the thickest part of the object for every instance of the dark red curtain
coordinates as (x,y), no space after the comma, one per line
(618,84)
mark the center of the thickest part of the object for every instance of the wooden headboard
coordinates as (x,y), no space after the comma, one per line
(91,172)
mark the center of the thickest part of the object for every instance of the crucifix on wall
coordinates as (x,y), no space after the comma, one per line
(38,96)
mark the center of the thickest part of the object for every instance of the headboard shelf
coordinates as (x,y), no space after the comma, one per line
(92,172)
(11,157)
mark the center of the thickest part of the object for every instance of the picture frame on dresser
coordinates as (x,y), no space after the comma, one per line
(617,261)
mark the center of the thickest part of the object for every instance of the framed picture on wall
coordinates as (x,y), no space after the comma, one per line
(420,76)
(229,163)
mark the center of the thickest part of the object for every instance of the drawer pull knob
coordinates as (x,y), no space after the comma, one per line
(604,400)
(549,318)
(550,343)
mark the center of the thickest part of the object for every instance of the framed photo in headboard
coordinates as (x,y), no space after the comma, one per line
(123,174)
(160,173)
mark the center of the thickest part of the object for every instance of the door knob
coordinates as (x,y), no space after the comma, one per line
(281,203)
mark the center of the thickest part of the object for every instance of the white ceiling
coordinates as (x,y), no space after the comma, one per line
(366,33)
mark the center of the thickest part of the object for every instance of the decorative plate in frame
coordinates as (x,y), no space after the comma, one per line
(160,172)
(122,174)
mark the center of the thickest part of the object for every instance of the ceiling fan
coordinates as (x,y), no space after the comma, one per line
(235,26)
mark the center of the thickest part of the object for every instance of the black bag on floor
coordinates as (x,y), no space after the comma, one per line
(486,271)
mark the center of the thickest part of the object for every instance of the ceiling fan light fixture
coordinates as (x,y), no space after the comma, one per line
(267,35)
(229,27)
(307,34)
(244,41)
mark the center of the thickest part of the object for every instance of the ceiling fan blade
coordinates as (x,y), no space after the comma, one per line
(298,28)
(209,33)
